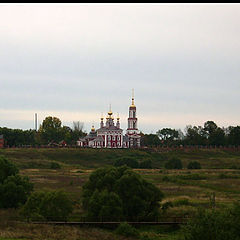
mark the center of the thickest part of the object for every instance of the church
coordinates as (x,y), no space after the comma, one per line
(110,135)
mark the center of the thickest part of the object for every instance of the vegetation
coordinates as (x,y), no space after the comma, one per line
(127,230)
(112,192)
(185,190)
(14,189)
(213,224)
(48,205)
(51,131)
(173,163)
(194,165)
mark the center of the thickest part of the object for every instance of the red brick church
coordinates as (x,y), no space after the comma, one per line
(110,135)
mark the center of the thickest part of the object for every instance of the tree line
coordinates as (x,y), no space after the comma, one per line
(52,131)
(210,134)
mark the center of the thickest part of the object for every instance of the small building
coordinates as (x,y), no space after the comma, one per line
(1,141)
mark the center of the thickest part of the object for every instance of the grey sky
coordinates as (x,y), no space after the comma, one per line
(71,61)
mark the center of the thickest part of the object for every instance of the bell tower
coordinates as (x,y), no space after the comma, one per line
(132,130)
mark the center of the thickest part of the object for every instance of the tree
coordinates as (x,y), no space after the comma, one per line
(213,224)
(194,165)
(195,135)
(146,164)
(6,169)
(51,130)
(48,205)
(173,163)
(129,161)
(150,140)
(234,135)
(134,196)
(14,189)
(105,204)
(215,134)
(18,137)
(78,130)
(168,135)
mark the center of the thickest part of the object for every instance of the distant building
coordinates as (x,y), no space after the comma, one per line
(111,135)
(133,133)
(1,141)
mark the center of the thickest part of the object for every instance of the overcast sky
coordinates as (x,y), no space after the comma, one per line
(72,61)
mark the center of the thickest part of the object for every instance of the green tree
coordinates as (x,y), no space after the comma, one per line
(194,165)
(195,135)
(129,161)
(215,134)
(168,135)
(136,196)
(146,164)
(234,135)
(48,205)
(127,230)
(173,163)
(14,189)
(51,130)
(150,140)
(213,224)
(6,169)
(105,204)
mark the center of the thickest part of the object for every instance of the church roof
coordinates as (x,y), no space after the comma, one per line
(98,139)
(109,128)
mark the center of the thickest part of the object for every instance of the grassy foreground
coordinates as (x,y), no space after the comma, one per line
(185,189)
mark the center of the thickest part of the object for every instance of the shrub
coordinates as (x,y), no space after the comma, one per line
(127,230)
(48,205)
(181,202)
(173,163)
(194,165)
(129,161)
(55,165)
(146,164)
(14,189)
(6,169)
(166,206)
(213,224)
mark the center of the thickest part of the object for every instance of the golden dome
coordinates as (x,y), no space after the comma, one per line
(93,128)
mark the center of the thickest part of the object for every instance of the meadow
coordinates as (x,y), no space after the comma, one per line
(218,183)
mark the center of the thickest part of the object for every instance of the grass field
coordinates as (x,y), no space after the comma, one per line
(185,189)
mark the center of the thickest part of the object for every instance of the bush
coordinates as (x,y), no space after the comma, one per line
(213,224)
(173,163)
(14,189)
(6,169)
(48,205)
(146,164)
(127,230)
(55,165)
(129,161)
(181,202)
(194,165)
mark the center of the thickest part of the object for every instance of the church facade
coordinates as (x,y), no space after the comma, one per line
(110,135)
